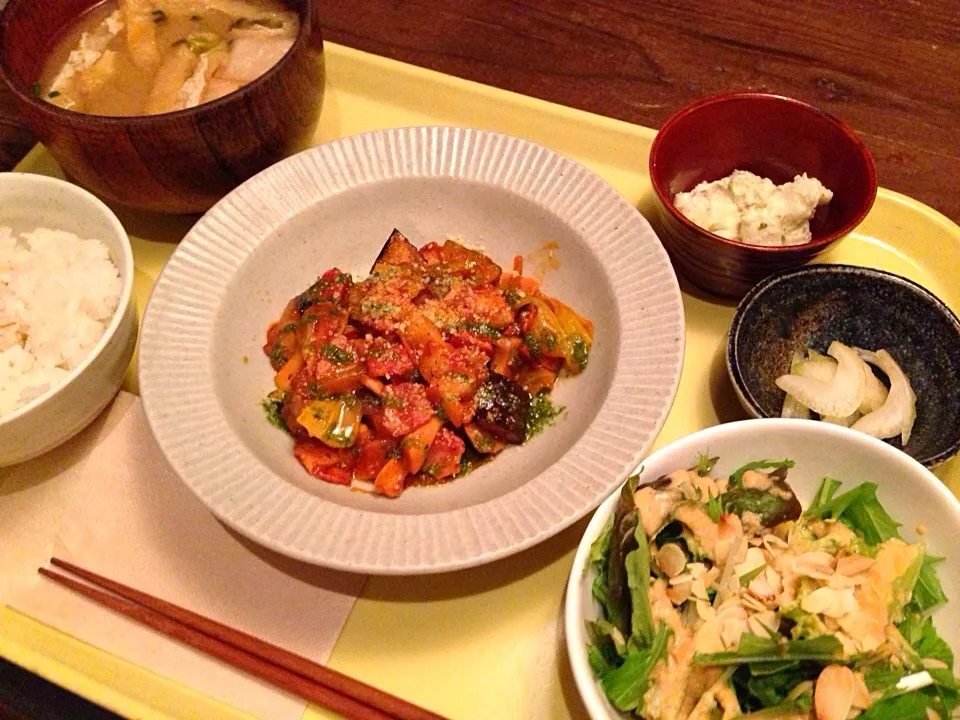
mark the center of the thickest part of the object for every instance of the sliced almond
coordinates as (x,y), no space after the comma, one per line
(830,602)
(861,694)
(833,693)
(671,560)
(933,664)
(679,594)
(851,565)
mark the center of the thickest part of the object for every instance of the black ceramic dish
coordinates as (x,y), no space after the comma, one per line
(811,306)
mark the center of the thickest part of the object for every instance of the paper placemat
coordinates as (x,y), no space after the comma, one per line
(108,501)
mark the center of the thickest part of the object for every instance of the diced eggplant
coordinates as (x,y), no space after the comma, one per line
(397,250)
(502,406)
(773,506)
(622,541)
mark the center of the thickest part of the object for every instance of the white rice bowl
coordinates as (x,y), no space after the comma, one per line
(58,293)
(67,312)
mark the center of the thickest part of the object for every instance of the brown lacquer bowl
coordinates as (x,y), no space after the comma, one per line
(177,162)
(775,137)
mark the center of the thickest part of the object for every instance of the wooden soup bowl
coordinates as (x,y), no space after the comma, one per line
(176,162)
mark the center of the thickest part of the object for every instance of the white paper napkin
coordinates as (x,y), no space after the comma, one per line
(108,501)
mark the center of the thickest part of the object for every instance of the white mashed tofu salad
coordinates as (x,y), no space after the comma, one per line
(753,210)
(58,294)
(723,598)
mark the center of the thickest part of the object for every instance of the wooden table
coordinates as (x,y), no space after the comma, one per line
(891,69)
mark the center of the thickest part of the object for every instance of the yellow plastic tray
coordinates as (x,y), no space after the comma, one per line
(485,643)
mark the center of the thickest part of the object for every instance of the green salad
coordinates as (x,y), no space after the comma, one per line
(723,598)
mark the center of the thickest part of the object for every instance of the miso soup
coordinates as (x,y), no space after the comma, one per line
(142,57)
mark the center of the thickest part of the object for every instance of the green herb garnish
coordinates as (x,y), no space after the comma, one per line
(338,356)
(480,328)
(737,477)
(199,43)
(581,353)
(705,464)
(541,413)
(273,407)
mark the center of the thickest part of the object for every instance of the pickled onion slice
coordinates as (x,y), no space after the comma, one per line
(793,408)
(821,367)
(839,397)
(899,410)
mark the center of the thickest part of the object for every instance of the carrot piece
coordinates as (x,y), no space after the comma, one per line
(453,409)
(415,445)
(372,457)
(390,479)
(285,375)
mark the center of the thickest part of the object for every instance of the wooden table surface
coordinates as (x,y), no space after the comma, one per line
(889,68)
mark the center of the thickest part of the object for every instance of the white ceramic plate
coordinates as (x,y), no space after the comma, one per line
(203,373)
(909,492)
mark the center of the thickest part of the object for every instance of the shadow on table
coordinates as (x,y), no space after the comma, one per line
(473,581)
(722,395)
(54,462)
(319,577)
(438,586)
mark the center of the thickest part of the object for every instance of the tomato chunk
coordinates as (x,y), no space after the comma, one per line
(332,465)
(372,457)
(334,285)
(403,408)
(478,305)
(388,359)
(380,300)
(443,457)
(319,324)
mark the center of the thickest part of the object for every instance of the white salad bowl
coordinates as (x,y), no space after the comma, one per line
(910,493)
(28,202)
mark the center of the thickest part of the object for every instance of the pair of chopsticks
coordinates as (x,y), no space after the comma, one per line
(311,681)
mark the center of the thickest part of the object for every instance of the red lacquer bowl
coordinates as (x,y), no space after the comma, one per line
(178,162)
(775,137)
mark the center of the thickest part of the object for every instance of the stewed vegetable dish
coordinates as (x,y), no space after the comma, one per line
(434,363)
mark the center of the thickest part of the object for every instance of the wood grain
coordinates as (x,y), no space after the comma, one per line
(890,68)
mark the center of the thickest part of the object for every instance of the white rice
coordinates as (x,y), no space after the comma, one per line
(58,293)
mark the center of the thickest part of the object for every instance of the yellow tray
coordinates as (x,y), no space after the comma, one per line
(485,643)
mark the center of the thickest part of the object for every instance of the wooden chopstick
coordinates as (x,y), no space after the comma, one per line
(322,685)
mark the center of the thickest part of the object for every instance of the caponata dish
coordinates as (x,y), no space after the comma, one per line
(434,363)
